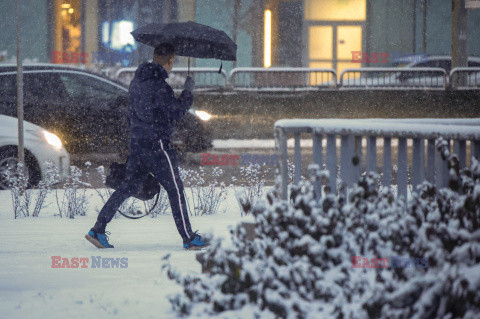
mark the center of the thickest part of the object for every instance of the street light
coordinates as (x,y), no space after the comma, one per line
(268,40)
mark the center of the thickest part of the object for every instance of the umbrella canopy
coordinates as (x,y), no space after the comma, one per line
(189,39)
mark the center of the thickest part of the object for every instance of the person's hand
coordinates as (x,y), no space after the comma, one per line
(189,84)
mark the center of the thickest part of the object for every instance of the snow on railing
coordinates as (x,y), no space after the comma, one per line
(394,78)
(282,79)
(465,78)
(306,79)
(205,78)
(411,137)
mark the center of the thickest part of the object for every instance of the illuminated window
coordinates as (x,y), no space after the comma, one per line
(68,29)
(120,34)
(328,10)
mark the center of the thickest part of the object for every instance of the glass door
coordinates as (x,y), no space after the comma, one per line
(330,45)
(349,39)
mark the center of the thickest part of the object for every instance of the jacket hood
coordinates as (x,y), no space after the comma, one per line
(149,70)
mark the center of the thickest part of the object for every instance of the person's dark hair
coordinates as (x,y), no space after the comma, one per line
(164,52)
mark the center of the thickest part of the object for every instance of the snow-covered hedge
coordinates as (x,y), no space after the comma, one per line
(300,263)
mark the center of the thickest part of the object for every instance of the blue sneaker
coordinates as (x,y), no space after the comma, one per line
(197,243)
(98,240)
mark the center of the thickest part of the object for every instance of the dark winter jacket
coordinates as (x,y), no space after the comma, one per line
(152,107)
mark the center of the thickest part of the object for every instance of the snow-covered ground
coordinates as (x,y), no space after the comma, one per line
(31,288)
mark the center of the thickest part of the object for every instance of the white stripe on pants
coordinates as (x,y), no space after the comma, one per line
(178,190)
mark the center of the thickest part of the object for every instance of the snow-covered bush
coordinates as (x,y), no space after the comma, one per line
(50,179)
(161,205)
(300,263)
(251,186)
(23,198)
(73,199)
(104,193)
(206,195)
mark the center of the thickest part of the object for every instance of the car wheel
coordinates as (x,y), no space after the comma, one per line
(8,164)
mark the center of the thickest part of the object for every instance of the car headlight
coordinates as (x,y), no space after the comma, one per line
(52,139)
(204,116)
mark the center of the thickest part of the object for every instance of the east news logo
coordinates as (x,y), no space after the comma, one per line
(85,262)
(394,262)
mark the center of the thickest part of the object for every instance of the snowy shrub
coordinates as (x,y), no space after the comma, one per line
(104,193)
(206,196)
(300,263)
(23,198)
(252,183)
(73,200)
(161,206)
(50,179)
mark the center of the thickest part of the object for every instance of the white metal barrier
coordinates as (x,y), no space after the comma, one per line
(305,79)
(282,79)
(394,78)
(465,78)
(422,134)
(205,78)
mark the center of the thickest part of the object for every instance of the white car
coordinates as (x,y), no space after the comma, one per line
(40,146)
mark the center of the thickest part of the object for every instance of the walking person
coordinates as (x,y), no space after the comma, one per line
(152,113)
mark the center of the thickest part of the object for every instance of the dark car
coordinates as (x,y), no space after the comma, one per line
(436,61)
(85,110)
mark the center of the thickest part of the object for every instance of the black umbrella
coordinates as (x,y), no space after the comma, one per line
(189,39)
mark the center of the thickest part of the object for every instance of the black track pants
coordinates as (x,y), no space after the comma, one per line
(159,158)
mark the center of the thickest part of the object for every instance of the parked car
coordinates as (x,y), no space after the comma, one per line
(429,74)
(40,146)
(86,110)
(440,61)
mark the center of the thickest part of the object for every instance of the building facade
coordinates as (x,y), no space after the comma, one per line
(91,31)
(308,33)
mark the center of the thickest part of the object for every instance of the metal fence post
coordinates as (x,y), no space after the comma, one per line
(357,158)
(460,149)
(475,149)
(282,149)
(418,163)
(332,162)
(317,159)
(371,154)
(346,155)
(442,173)
(402,168)
(298,160)
(431,161)
(387,162)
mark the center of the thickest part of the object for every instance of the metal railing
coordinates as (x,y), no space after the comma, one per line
(465,78)
(394,78)
(205,78)
(282,79)
(417,134)
(312,79)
